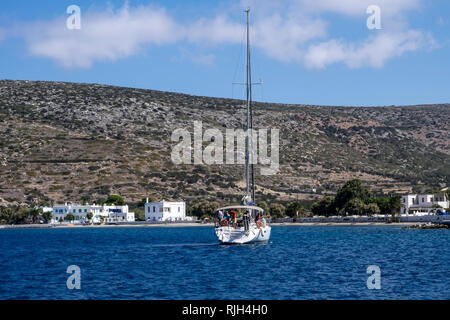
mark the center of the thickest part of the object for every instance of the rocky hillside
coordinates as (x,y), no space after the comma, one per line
(80,142)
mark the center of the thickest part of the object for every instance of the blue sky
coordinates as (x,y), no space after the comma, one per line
(305,51)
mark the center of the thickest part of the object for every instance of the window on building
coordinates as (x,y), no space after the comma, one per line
(74,211)
(179,209)
(154,208)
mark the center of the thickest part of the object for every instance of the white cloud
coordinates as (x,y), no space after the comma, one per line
(103,36)
(374,52)
(289,31)
(299,33)
(358,7)
(284,39)
(280,38)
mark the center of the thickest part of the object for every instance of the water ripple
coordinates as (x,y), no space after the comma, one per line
(188,263)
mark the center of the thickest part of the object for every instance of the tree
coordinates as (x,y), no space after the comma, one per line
(19,216)
(14,215)
(70,217)
(354,207)
(34,214)
(394,206)
(86,198)
(324,207)
(350,190)
(277,210)
(139,214)
(293,209)
(4,215)
(371,209)
(115,200)
(383,204)
(263,205)
(47,216)
(204,209)
(89,216)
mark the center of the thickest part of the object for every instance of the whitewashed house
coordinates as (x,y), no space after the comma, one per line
(100,213)
(424,204)
(165,211)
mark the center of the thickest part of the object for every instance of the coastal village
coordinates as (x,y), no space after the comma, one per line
(163,211)
(412,208)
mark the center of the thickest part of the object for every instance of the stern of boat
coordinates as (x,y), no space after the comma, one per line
(230,235)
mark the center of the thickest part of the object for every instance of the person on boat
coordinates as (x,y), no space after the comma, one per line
(233,217)
(219,215)
(246,218)
(257,216)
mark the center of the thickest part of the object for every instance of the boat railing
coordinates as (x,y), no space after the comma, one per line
(261,223)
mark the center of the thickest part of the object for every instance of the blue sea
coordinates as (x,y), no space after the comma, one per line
(319,262)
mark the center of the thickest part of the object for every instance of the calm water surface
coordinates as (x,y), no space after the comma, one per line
(188,263)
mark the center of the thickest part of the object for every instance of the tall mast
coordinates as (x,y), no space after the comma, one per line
(248,151)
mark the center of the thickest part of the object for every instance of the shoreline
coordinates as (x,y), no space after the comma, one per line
(289,224)
(178,225)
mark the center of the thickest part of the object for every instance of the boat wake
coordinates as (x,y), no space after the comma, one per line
(162,245)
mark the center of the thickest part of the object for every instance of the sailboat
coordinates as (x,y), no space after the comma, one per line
(244,223)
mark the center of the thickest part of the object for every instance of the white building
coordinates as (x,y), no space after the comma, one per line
(165,211)
(46,209)
(424,204)
(100,213)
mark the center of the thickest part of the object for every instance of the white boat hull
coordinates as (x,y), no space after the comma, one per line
(231,235)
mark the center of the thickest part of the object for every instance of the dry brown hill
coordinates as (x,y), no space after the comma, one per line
(80,142)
